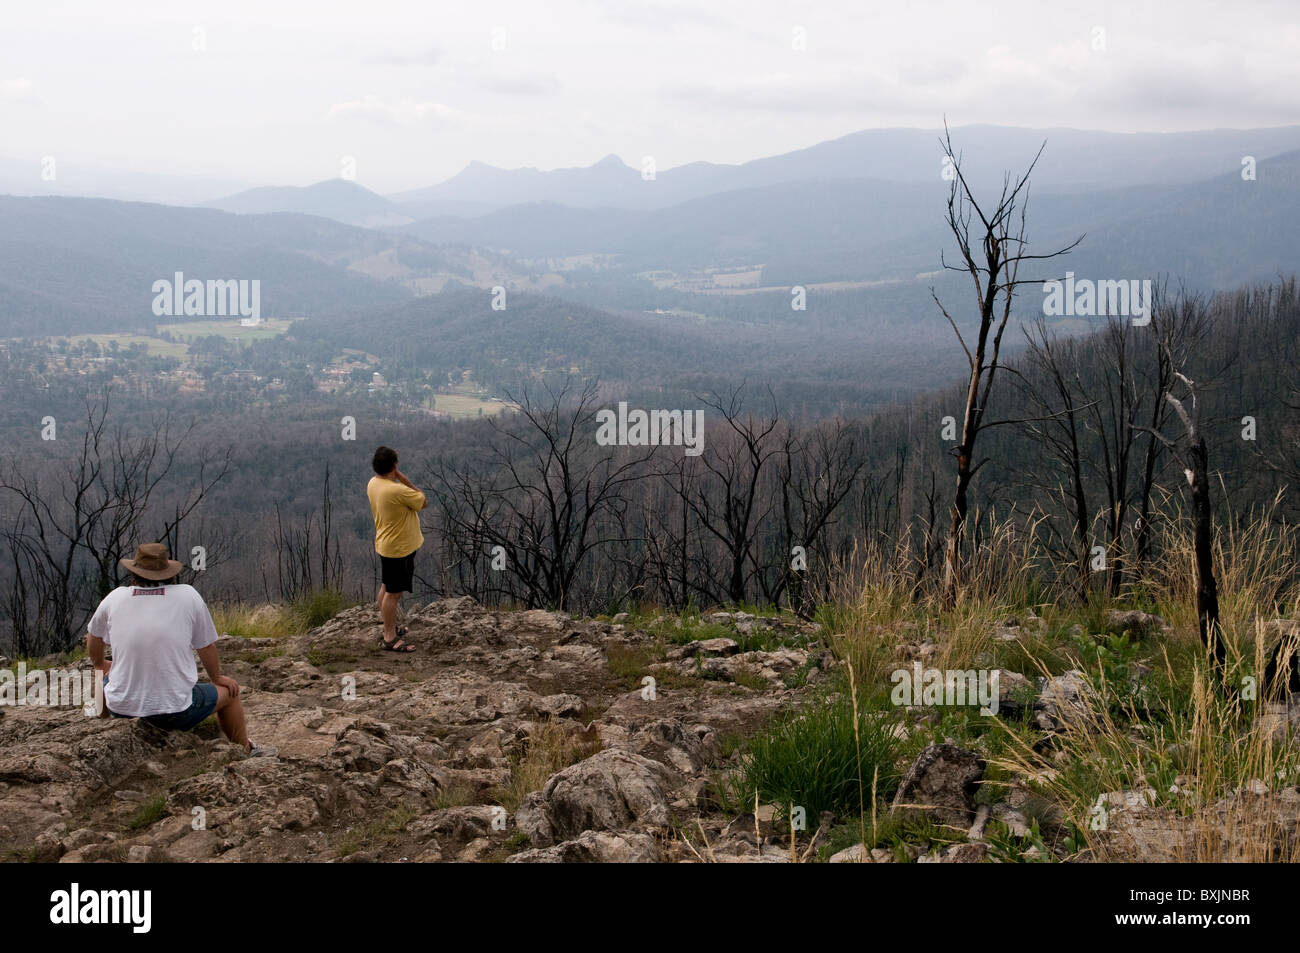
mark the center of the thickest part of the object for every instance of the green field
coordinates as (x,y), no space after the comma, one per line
(155,346)
(186,331)
(464,405)
(227,328)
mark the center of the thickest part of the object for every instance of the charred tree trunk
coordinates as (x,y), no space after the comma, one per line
(992,247)
(1207,588)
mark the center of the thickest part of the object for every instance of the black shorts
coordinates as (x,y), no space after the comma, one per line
(397,572)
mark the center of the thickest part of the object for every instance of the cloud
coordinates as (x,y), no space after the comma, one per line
(844,91)
(404,113)
(522,85)
(658,15)
(427,57)
(20,90)
(920,73)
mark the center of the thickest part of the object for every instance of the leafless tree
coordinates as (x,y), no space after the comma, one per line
(816,471)
(307,555)
(727,502)
(544,492)
(76,520)
(1052,387)
(1192,454)
(992,247)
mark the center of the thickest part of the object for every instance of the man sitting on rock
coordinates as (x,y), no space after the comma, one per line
(155,626)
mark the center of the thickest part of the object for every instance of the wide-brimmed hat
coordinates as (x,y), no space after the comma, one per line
(151,562)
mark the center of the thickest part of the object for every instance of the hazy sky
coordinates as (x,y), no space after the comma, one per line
(279,91)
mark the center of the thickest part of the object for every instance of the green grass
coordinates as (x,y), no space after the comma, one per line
(378,833)
(277,621)
(228,328)
(467,405)
(630,663)
(148,813)
(330,657)
(813,759)
(321,606)
(68,659)
(156,347)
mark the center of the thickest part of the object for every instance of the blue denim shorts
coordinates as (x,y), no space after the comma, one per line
(203,701)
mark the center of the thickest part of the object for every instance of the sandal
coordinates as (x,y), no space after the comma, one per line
(398,644)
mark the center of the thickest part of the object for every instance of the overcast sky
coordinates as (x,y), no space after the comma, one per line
(280,91)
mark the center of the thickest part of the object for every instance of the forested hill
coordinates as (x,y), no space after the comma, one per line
(71,265)
(849,351)
(1218,233)
(1090,403)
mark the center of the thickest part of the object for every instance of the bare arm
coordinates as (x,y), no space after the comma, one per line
(212,665)
(95,649)
(400,477)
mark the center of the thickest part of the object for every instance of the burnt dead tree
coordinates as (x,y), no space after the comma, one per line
(543,496)
(729,503)
(1181,323)
(78,515)
(992,246)
(1051,379)
(1193,457)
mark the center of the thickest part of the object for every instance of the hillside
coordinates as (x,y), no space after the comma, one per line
(76,265)
(491,707)
(814,360)
(1216,233)
(534,737)
(335,199)
(1076,160)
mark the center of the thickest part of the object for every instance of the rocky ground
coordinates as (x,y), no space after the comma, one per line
(535,737)
(369,755)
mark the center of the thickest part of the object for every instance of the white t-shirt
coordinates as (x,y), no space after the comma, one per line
(154,633)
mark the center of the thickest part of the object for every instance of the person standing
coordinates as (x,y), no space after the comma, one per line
(395,504)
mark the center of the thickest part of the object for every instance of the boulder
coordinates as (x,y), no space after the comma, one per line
(941,785)
(595,847)
(1067,702)
(1135,621)
(612,789)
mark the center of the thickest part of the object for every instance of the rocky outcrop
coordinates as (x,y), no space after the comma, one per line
(1253,825)
(1135,622)
(366,755)
(941,786)
(1067,701)
(611,790)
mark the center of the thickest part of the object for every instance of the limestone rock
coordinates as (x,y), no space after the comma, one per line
(612,789)
(941,785)
(599,847)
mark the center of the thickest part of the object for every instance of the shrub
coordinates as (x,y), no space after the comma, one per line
(813,759)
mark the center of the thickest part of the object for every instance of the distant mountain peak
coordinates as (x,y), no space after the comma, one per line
(340,199)
(1075,160)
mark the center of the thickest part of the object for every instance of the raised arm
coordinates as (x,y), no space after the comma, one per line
(401,478)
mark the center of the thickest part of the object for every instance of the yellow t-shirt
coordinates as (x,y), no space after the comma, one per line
(396,509)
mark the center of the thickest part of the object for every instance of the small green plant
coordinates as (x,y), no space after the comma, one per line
(1007,848)
(516,842)
(378,833)
(319,607)
(1112,661)
(629,663)
(747,676)
(148,813)
(811,758)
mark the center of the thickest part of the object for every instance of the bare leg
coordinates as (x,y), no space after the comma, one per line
(230,715)
(388,609)
(379,600)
